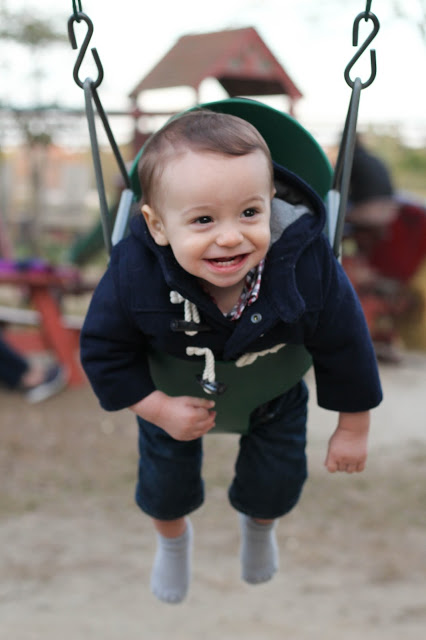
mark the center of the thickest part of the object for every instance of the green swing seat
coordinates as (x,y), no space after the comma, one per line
(271,375)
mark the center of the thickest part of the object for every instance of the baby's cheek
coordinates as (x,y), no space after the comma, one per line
(265,240)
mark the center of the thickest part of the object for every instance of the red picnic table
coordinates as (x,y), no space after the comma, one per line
(45,285)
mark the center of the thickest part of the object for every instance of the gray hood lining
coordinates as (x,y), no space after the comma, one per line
(284,214)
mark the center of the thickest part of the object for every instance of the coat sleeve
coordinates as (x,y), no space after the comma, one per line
(113,350)
(345,366)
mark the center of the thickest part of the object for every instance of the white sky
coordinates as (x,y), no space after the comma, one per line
(311,39)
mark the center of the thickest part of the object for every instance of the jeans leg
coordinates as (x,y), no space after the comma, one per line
(271,466)
(169,479)
(12,365)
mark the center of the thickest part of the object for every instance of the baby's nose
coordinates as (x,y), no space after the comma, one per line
(229,236)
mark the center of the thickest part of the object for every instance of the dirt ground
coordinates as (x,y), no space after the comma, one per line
(76,553)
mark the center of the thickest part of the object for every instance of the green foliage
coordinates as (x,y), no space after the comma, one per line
(407,164)
(413,160)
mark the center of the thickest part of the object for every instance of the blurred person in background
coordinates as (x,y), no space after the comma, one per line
(34,381)
(389,240)
(371,192)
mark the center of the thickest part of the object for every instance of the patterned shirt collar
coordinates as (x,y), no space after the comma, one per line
(250,293)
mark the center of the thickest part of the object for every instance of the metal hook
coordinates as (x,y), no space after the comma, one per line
(376,26)
(71,35)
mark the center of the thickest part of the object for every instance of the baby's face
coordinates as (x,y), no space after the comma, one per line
(214,211)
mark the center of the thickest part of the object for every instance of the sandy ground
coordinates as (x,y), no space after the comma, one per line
(76,553)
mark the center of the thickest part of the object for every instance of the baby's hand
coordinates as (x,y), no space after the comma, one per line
(187,418)
(182,417)
(347,448)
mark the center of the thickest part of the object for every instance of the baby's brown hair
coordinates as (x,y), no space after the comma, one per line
(198,130)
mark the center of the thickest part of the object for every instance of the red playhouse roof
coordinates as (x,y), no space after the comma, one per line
(237,58)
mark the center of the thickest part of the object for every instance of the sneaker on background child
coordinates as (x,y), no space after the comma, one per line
(35,381)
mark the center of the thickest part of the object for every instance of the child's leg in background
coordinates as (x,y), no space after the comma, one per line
(13,366)
(169,487)
(269,475)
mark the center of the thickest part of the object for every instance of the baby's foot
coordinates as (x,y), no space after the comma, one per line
(259,550)
(171,572)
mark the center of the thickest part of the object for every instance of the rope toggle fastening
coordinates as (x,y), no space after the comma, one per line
(192,316)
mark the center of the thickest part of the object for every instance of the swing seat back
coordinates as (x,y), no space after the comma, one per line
(290,144)
(247,387)
(271,375)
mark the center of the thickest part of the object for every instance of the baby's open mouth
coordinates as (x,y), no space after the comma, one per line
(228,260)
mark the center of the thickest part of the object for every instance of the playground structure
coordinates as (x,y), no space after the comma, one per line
(238,59)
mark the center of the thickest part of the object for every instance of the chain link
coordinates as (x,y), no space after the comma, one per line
(363,47)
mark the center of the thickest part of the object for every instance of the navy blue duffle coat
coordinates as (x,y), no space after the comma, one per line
(305,298)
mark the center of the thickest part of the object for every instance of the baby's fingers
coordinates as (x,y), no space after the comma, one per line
(201,403)
(331,465)
(206,418)
(347,467)
(204,424)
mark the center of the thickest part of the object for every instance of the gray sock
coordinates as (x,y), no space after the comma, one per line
(171,572)
(259,550)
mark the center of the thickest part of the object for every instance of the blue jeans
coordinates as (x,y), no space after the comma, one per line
(269,473)
(12,366)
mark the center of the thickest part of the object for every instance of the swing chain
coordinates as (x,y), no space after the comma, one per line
(76,9)
(78,17)
(367,8)
(91,95)
(366,15)
(343,168)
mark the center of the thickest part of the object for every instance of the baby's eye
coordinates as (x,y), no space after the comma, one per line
(203,220)
(249,213)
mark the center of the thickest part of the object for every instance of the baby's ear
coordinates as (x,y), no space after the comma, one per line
(155,225)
